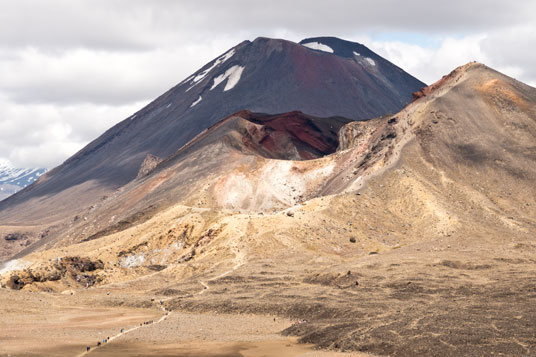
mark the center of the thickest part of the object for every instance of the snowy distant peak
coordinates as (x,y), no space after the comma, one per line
(13,180)
(318,46)
(18,177)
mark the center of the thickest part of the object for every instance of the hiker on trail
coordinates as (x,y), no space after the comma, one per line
(98,344)
(122,330)
(88,348)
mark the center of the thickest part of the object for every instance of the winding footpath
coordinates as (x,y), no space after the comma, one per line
(239,260)
(93,348)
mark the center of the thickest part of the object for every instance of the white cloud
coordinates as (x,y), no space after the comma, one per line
(509,52)
(512,50)
(103,77)
(429,64)
(44,135)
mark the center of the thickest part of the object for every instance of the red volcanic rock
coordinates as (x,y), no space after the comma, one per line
(286,136)
(417,95)
(304,131)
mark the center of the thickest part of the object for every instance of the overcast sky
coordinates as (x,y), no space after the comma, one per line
(69,69)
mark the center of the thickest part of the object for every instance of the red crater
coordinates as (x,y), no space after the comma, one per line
(285,135)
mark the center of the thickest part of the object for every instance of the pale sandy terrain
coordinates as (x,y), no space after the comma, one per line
(38,324)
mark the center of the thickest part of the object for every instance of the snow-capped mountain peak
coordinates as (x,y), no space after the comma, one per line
(14,179)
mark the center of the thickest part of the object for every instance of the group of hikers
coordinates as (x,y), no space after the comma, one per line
(104,340)
(299,322)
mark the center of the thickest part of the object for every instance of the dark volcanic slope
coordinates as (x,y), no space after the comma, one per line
(266,75)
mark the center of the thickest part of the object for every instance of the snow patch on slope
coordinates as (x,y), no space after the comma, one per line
(318,46)
(370,61)
(196,101)
(232,75)
(196,79)
(188,79)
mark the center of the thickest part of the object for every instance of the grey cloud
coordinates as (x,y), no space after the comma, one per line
(64,23)
(143,25)
(344,16)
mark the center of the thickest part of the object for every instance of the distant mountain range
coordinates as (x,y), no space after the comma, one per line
(12,179)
